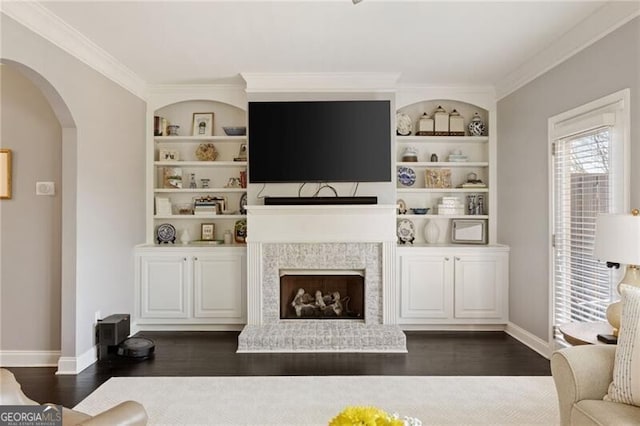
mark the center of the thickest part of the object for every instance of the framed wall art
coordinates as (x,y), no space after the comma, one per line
(169,155)
(207,231)
(5,173)
(437,178)
(202,124)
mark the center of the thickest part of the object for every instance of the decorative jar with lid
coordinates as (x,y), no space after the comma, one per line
(476,126)
(456,124)
(410,154)
(425,126)
(441,121)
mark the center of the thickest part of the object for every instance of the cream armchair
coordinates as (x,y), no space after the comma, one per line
(128,413)
(582,375)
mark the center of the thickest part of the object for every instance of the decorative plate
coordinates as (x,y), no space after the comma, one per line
(403,124)
(406,231)
(406,176)
(166,233)
(402,207)
(206,152)
(243,204)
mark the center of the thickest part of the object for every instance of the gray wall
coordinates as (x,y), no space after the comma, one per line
(30,225)
(103,158)
(609,65)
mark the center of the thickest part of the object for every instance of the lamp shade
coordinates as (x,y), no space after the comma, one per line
(617,238)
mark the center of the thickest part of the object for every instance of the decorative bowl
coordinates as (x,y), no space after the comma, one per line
(235,131)
(420,211)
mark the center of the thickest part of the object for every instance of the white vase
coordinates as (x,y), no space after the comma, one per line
(185,238)
(431,232)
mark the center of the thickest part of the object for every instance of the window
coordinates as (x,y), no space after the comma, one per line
(589,176)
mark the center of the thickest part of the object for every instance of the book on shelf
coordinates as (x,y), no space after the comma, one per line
(473,185)
(163,206)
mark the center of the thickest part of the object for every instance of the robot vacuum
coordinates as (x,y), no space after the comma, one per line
(136,347)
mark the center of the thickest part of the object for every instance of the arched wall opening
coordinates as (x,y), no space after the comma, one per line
(64,251)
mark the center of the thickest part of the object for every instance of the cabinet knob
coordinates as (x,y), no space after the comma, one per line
(446,259)
(184,259)
(195,258)
(457,258)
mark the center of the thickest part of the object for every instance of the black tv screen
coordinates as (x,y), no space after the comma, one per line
(319,141)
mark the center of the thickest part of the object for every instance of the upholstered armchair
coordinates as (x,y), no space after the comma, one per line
(128,413)
(582,375)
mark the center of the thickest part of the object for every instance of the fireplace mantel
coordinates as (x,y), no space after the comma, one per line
(332,237)
(318,224)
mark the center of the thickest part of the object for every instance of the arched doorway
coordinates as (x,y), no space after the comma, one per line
(35,289)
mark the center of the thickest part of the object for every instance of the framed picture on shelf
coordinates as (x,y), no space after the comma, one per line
(207,231)
(172,177)
(202,124)
(242,153)
(5,173)
(437,178)
(169,155)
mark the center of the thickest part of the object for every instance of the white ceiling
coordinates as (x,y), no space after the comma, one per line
(427,42)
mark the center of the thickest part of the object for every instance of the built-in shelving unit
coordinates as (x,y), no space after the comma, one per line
(218,179)
(420,194)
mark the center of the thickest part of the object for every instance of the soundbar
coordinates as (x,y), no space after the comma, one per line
(313,201)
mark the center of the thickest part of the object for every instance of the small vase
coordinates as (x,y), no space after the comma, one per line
(431,232)
(185,238)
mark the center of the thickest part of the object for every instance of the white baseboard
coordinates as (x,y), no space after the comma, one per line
(29,358)
(531,340)
(187,327)
(452,327)
(74,365)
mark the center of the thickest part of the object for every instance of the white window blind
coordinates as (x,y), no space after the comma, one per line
(583,188)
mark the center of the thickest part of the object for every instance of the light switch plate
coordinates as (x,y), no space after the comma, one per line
(45,188)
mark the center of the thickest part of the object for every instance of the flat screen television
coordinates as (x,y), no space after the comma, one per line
(320,141)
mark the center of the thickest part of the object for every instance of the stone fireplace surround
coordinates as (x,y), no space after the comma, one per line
(321,237)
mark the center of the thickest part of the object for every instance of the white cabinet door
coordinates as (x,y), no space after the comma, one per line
(219,283)
(480,286)
(164,287)
(426,286)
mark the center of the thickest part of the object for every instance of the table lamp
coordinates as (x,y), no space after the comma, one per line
(618,241)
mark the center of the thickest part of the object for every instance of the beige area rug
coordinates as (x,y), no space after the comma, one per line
(315,400)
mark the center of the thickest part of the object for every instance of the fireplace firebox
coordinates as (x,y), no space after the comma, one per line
(310,295)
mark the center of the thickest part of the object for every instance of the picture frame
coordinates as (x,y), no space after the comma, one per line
(202,124)
(207,231)
(5,174)
(437,178)
(242,152)
(168,155)
(469,231)
(172,178)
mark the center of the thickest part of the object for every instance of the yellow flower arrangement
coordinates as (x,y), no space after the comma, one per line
(365,416)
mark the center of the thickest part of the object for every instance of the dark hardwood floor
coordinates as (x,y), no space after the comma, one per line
(213,354)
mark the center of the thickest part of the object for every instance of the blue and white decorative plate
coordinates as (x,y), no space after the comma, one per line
(406,231)
(406,176)
(166,233)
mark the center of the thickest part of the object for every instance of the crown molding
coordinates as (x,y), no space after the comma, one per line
(320,82)
(161,95)
(43,22)
(602,22)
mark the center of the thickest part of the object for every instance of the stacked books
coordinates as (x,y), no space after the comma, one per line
(473,185)
(450,205)
(163,206)
(205,206)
